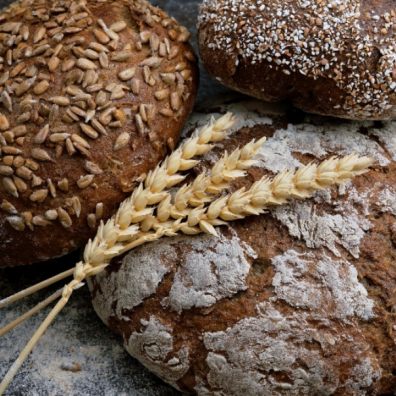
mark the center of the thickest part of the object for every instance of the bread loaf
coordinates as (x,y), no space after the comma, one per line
(299,301)
(328,57)
(93,93)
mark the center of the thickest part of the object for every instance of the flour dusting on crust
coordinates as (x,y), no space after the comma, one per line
(345,229)
(138,277)
(277,154)
(387,201)
(274,353)
(153,347)
(320,283)
(387,137)
(213,269)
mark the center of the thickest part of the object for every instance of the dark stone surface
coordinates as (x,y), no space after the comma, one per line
(77,339)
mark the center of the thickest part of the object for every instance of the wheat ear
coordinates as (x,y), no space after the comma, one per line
(266,193)
(205,186)
(152,190)
(263,194)
(110,237)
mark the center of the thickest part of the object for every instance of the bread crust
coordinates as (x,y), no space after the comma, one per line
(328,58)
(93,95)
(297,301)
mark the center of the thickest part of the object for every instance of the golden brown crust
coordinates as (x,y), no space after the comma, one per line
(328,58)
(93,93)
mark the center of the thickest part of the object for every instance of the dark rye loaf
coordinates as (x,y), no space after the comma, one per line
(327,57)
(93,94)
(299,301)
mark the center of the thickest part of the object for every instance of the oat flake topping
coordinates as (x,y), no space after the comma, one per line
(336,39)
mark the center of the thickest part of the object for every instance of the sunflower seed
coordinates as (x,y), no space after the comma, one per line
(162,94)
(175,101)
(101,36)
(80,140)
(121,141)
(135,86)
(99,210)
(10,186)
(39,195)
(98,47)
(85,181)
(41,135)
(4,124)
(168,78)
(63,185)
(10,150)
(6,100)
(153,61)
(9,207)
(40,221)
(91,220)
(20,184)
(33,165)
(121,56)
(39,34)
(41,87)
(16,223)
(40,155)
(68,64)
(6,170)
(60,100)
(89,131)
(92,168)
(98,126)
(86,64)
(36,181)
(76,205)
(53,63)
(104,60)
(24,173)
(118,26)
(91,54)
(139,124)
(51,214)
(64,218)
(127,74)
(166,112)
(51,187)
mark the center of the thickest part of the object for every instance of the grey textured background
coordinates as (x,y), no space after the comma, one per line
(78,338)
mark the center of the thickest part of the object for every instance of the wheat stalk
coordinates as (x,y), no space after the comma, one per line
(200,214)
(108,242)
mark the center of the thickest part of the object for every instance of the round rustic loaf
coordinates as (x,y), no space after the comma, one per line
(92,93)
(327,57)
(299,301)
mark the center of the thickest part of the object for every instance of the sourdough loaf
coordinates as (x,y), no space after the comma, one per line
(299,301)
(92,94)
(328,57)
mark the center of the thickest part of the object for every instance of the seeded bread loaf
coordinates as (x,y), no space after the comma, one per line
(299,301)
(92,94)
(327,57)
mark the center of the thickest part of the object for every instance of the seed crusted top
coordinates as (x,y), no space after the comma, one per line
(343,40)
(83,84)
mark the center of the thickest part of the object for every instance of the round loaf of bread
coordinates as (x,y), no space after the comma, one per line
(298,301)
(92,94)
(327,57)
